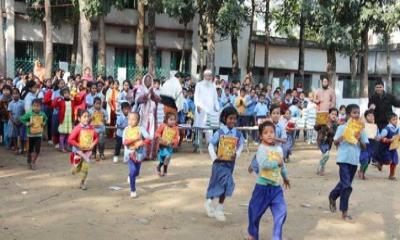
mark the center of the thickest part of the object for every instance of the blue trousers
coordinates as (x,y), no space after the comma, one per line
(343,189)
(267,197)
(134,170)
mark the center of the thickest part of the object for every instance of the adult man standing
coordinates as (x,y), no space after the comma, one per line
(383,104)
(205,100)
(325,97)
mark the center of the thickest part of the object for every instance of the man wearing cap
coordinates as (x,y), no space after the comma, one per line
(383,103)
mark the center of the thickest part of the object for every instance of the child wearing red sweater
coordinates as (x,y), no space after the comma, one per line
(168,137)
(82,139)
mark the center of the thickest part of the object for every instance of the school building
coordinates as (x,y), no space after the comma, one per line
(24,40)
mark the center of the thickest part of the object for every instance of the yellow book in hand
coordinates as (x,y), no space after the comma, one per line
(227,148)
(272,174)
(168,135)
(322,118)
(133,134)
(97,119)
(86,137)
(396,143)
(37,124)
(353,128)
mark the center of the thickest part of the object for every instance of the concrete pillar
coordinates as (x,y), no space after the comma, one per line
(10,37)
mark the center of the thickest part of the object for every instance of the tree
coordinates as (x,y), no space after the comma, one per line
(289,15)
(232,17)
(249,64)
(2,46)
(386,19)
(183,11)
(210,10)
(154,6)
(98,9)
(140,35)
(86,37)
(266,43)
(55,14)
(48,40)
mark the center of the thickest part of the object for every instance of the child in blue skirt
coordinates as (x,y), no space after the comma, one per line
(368,154)
(386,156)
(225,147)
(268,193)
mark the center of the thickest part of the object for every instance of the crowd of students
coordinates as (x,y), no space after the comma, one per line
(80,112)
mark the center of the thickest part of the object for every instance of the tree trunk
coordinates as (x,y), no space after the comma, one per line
(353,73)
(201,42)
(152,38)
(49,40)
(331,66)
(389,84)
(266,43)
(2,46)
(140,36)
(182,63)
(101,68)
(249,64)
(235,58)
(86,39)
(210,44)
(364,65)
(74,52)
(301,47)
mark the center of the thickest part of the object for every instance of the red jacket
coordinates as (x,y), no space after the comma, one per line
(47,97)
(73,138)
(80,102)
(59,103)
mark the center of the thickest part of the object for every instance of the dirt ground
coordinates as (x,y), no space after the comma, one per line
(47,204)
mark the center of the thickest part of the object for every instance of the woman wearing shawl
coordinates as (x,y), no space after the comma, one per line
(146,101)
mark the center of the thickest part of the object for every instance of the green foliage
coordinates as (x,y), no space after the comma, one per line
(61,10)
(231,18)
(182,10)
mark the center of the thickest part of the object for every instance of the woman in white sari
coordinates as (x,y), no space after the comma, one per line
(146,104)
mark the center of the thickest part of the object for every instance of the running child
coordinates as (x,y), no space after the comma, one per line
(134,141)
(225,148)
(122,123)
(267,192)
(280,134)
(82,139)
(369,153)
(348,157)
(35,120)
(325,139)
(16,128)
(168,137)
(98,119)
(386,156)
